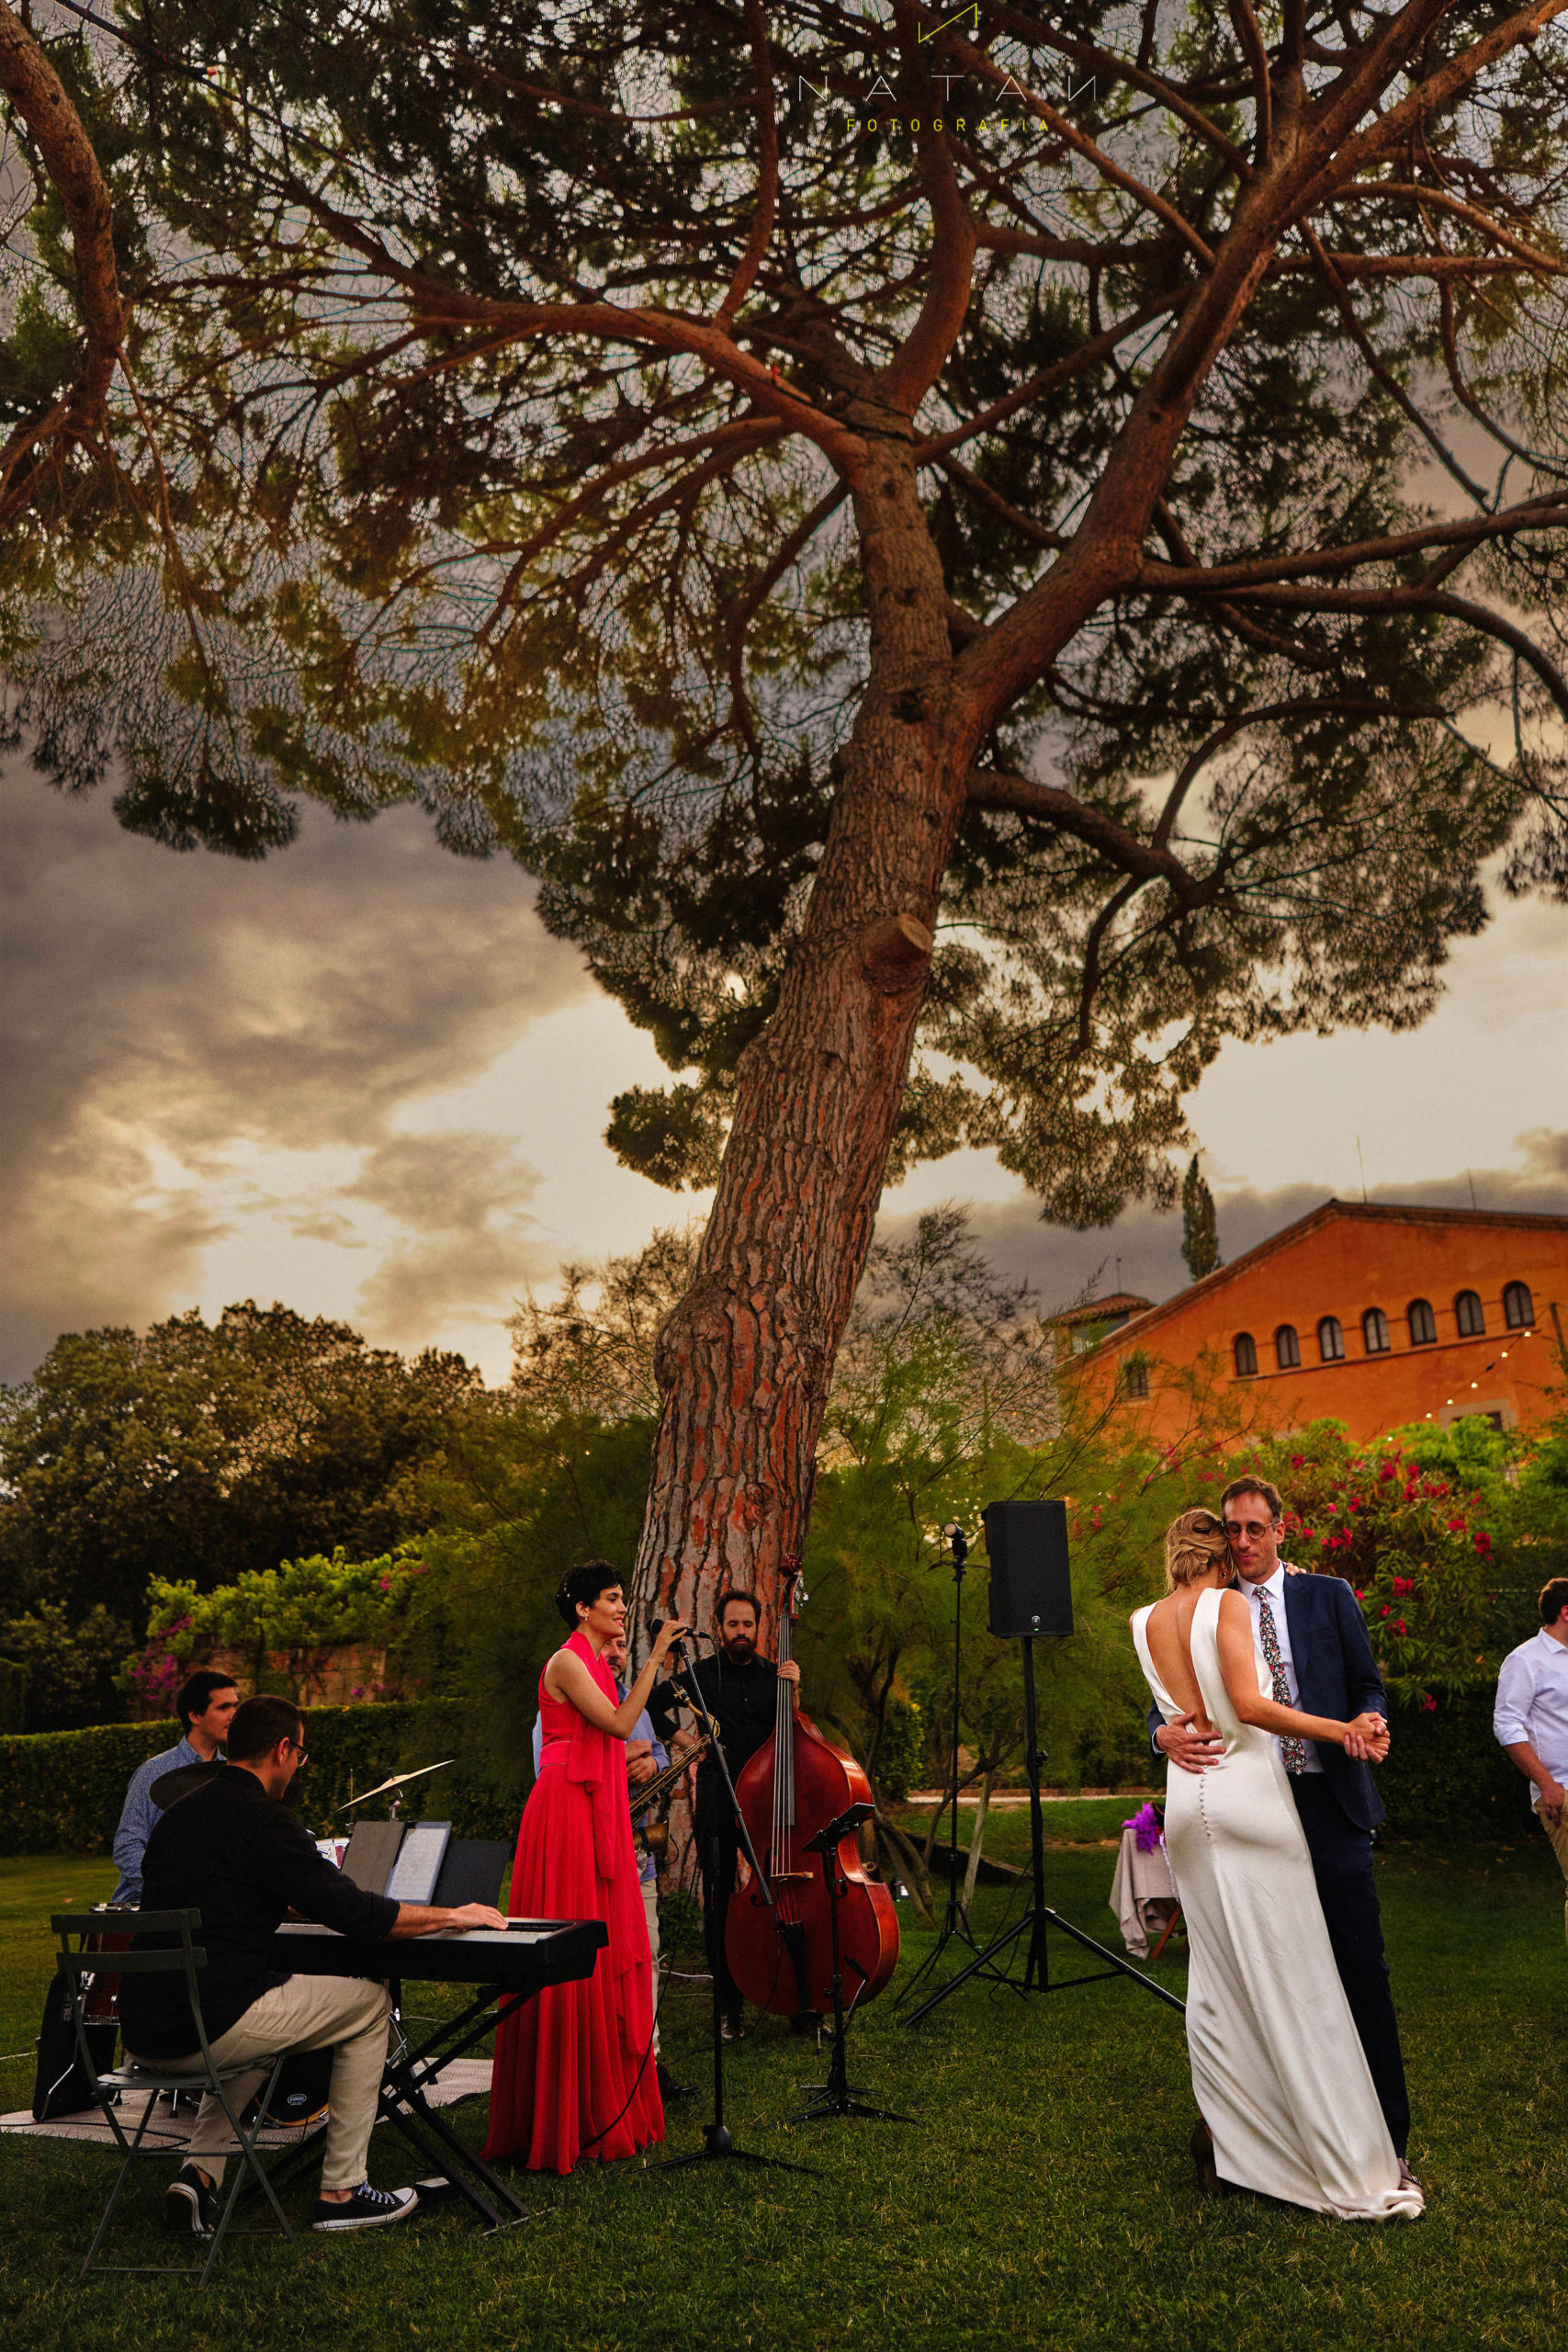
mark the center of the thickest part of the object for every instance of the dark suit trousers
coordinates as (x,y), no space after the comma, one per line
(1342,1864)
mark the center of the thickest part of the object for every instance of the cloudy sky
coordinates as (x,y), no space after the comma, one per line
(360,1078)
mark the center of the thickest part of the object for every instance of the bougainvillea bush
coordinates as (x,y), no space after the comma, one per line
(1428,1537)
(301,1606)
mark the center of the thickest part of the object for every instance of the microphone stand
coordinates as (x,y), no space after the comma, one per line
(717,2142)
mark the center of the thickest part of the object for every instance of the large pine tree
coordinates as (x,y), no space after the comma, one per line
(976,553)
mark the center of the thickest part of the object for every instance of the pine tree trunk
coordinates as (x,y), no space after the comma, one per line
(745,1361)
(976,1841)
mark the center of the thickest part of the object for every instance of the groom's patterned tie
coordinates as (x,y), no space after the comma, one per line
(1294,1750)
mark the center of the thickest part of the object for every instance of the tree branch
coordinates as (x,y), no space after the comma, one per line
(1546,512)
(768,157)
(1251,40)
(1088,355)
(1422,600)
(925,350)
(35,89)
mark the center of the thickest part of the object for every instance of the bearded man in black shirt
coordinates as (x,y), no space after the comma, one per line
(230,1848)
(741,1691)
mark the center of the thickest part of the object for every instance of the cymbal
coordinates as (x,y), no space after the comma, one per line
(396,1782)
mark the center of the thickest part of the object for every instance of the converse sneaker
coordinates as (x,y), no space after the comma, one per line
(187,2201)
(366,2209)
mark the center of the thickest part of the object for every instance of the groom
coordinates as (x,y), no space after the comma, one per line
(1311,1634)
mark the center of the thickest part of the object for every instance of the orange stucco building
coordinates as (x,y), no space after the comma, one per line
(1369,1315)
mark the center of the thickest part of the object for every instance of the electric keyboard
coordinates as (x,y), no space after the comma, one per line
(524,1958)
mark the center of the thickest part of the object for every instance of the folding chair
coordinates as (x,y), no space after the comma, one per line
(78,1967)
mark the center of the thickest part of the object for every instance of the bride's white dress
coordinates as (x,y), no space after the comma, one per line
(1278,2068)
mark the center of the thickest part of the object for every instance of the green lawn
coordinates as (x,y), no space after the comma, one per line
(1042,2198)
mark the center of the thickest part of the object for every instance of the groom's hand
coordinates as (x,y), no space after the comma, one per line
(1190,1749)
(1367,1739)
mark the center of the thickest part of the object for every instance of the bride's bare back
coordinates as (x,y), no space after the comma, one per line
(1168,1630)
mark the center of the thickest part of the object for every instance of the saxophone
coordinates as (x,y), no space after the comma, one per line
(655,1835)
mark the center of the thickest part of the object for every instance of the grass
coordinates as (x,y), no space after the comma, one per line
(1043,2197)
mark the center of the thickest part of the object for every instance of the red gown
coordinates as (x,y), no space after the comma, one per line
(566,2080)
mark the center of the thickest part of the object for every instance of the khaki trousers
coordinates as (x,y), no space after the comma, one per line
(650,1913)
(348,2016)
(1558,1837)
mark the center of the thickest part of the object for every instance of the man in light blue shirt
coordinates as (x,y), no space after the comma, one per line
(206,1702)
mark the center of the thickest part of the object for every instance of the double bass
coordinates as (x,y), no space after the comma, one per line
(780,1954)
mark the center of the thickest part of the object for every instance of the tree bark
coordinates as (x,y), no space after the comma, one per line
(976,1840)
(745,1361)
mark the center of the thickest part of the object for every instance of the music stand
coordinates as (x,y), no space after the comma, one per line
(835,2096)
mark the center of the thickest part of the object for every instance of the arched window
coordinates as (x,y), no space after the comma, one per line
(1330,1340)
(1423,1323)
(1287,1348)
(1375,1331)
(1518,1308)
(1468,1315)
(1245,1353)
(1136,1376)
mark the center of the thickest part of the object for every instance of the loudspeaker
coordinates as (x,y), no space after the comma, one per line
(1030,1588)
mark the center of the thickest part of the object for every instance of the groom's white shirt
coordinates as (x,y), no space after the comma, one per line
(1274,1586)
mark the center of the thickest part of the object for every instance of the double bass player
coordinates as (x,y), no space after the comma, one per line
(741,1691)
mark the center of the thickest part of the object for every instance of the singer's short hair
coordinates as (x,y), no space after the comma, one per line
(730,1595)
(580,1587)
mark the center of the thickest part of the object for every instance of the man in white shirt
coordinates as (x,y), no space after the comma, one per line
(1530,1718)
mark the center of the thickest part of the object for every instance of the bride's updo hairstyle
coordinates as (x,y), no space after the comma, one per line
(582,1586)
(1193,1544)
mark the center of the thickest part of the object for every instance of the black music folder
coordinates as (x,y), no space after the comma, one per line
(372,1852)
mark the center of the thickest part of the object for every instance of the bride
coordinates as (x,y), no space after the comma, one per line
(1277,2069)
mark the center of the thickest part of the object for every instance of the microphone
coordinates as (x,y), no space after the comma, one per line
(656,1626)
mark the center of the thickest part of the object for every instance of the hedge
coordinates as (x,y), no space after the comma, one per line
(1446,1778)
(61,1791)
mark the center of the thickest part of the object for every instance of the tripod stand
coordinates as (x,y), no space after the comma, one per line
(954,1921)
(716,2140)
(1039,1919)
(835,2096)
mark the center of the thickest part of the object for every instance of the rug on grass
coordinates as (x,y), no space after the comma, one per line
(464,2078)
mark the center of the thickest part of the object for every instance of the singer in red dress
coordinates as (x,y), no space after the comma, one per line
(574,2071)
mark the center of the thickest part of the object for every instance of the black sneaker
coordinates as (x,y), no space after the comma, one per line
(732,2026)
(368,2209)
(669,2088)
(187,2201)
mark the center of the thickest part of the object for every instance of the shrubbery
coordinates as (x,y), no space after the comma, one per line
(62,1792)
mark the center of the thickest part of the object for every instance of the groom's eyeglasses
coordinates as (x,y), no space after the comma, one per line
(1237,1528)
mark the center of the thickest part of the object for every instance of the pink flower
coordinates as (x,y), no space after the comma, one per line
(1298,1461)
(1399,1626)
(1402,1585)
(1455,1526)
(1386,1472)
(1360,1591)
(1384,1611)
(386,1584)
(1428,1704)
(1483,1542)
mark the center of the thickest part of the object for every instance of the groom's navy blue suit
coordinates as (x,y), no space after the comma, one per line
(1336,1674)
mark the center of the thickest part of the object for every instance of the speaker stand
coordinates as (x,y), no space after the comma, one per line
(1039,1919)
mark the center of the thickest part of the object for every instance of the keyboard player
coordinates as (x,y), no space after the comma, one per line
(232,1849)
